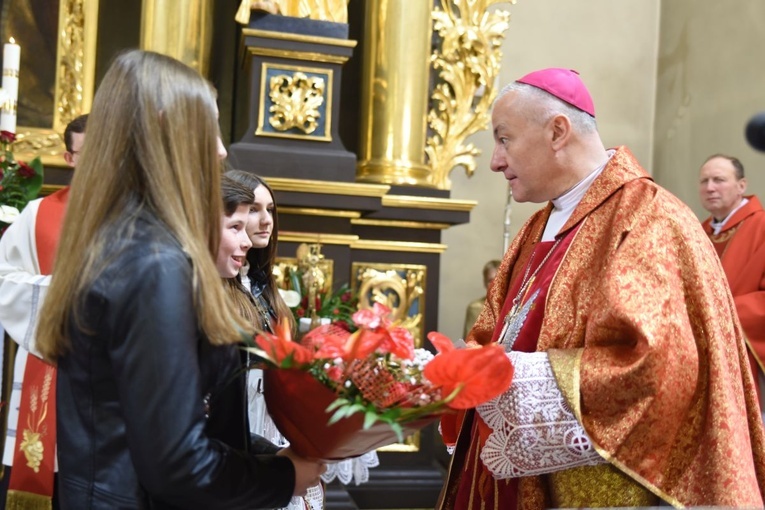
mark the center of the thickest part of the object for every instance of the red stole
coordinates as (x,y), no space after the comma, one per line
(477,487)
(31,483)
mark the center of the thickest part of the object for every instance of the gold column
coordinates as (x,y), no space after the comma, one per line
(394,97)
(179,28)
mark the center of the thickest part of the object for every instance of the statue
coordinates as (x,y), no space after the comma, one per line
(309,258)
(325,10)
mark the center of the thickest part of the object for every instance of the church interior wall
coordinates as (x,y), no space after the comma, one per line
(711,77)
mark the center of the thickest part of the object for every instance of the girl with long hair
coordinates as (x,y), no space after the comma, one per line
(263,229)
(142,331)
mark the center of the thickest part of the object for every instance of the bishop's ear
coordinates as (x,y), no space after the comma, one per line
(561,130)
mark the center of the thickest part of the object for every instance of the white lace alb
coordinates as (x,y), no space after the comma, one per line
(533,430)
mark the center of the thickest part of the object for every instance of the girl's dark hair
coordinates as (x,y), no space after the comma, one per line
(261,260)
(235,194)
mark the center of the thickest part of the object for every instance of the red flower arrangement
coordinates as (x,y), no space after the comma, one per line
(20,182)
(338,394)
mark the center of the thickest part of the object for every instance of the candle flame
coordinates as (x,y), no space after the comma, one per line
(13,41)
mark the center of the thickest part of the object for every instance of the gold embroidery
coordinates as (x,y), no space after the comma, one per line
(725,235)
(597,486)
(32,445)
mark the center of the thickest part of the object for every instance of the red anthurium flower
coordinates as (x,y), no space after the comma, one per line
(442,343)
(320,334)
(279,346)
(372,318)
(327,341)
(478,374)
(331,348)
(399,341)
(362,343)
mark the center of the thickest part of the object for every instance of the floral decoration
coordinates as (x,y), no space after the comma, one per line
(20,182)
(338,306)
(376,370)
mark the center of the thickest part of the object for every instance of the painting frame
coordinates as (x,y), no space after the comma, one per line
(76,42)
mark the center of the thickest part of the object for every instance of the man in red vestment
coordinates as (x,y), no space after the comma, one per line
(737,230)
(27,250)
(632,385)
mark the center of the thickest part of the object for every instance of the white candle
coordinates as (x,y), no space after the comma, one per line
(11,65)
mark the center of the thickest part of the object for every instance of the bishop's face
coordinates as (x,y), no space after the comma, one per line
(522,150)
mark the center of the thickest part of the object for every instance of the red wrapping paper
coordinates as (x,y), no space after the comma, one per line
(297,403)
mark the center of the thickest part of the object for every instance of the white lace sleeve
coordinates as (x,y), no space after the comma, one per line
(354,470)
(533,430)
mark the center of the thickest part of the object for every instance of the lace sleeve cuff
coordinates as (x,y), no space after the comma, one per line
(533,430)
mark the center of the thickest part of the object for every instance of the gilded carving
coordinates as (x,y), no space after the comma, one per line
(75,71)
(71,57)
(297,100)
(285,268)
(400,287)
(468,62)
(326,10)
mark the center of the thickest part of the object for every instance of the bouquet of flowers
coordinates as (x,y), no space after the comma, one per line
(338,394)
(19,182)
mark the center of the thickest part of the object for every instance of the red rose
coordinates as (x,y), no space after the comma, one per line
(335,373)
(300,312)
(7,137)
(345,297)
(25,170)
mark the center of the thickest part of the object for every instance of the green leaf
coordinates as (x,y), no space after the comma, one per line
(337,403)
(398,430)
(370,417)
(295,278)
(33,185)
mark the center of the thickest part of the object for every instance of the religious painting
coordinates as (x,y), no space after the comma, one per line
(56,78)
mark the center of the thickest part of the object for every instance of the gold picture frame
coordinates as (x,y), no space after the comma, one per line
(74,87)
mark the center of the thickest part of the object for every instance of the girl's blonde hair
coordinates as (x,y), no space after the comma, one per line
(151,146)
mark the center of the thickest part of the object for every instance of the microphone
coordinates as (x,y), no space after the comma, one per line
(755,132)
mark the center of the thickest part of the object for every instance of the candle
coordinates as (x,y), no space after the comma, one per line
(11,61)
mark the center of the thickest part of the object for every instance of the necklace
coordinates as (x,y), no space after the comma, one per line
(513,321)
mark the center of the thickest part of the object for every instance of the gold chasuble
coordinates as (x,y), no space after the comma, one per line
(640,330)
